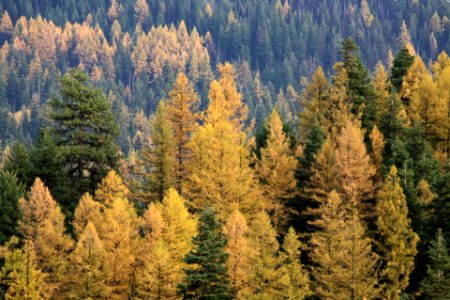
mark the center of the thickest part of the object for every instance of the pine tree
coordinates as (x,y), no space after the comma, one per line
(344,266)
(240,254)
(84,130)
(20,273)
(181,112)
(158,157)
(88,272)
(436,284)
(276,170)
(397,242)
(11,190)
(206,277)
(297,284)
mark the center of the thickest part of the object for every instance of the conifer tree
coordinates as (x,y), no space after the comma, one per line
(181,112)
(206,276)
(402,62)
(110,188)
(355,169)
(158,157)
(276,170)
(87,211)
(297,283)
(11,190)
(266,276)
(20,273)
(240,254)
(382,87)
(396,239)
(344,266)
(88,271)
(436,284)
(411,82)
(84,130)
(377,142)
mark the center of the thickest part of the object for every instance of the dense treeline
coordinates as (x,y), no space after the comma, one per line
(127,50)
(351,203)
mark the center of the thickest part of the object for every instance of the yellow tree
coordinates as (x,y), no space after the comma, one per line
(355,169)
(221,175)
(20,274)
(240,253)
(87,211)
(88,267)
(344,266)
(119,236)
(266,277)
(111,188)
(382,86)
(397,241)
(142,11)
(377,141)
(314,102)
(181,112)
(296,283)
(411,82)
(276,170)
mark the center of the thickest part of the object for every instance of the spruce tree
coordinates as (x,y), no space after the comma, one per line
(10,193)
(84,130)
(402,62)
(206,276)
(436,284)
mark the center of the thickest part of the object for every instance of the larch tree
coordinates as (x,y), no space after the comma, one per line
(411,82)
(110,188)
(20,273)
(265,276)
(159,157)
(276,170)
(221,173)
(315,102)
(396,240)
(142,11)
(239,253)
(344,265)
(206,275)
(87,211)
(355,169)
(181,111)
(295,282)
(88,267)
(382,87)
(436,283)
(377,143)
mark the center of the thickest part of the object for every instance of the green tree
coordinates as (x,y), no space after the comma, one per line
(436,284)
(11,190)
(402,62)
(206,277)
(84,130)
(159,157)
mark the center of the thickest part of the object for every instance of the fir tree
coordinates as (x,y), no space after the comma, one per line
(11,190)
(402,62)
(206,277)
(436,284)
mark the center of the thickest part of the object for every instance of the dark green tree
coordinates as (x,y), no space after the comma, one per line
(401,64)
(436,284)
(46,163)
(84,129)
(10,192)
(18,163)
(206,277)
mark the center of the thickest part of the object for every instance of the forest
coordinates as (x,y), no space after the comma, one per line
(224,149)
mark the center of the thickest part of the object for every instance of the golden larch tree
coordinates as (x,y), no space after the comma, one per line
(377,141)
(397,241)
(276,170)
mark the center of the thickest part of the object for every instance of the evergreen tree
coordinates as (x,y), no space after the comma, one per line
(436,284)
(11,190)
(84,131)
(397,241)
(206,277)
(402,62)
(159,157)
